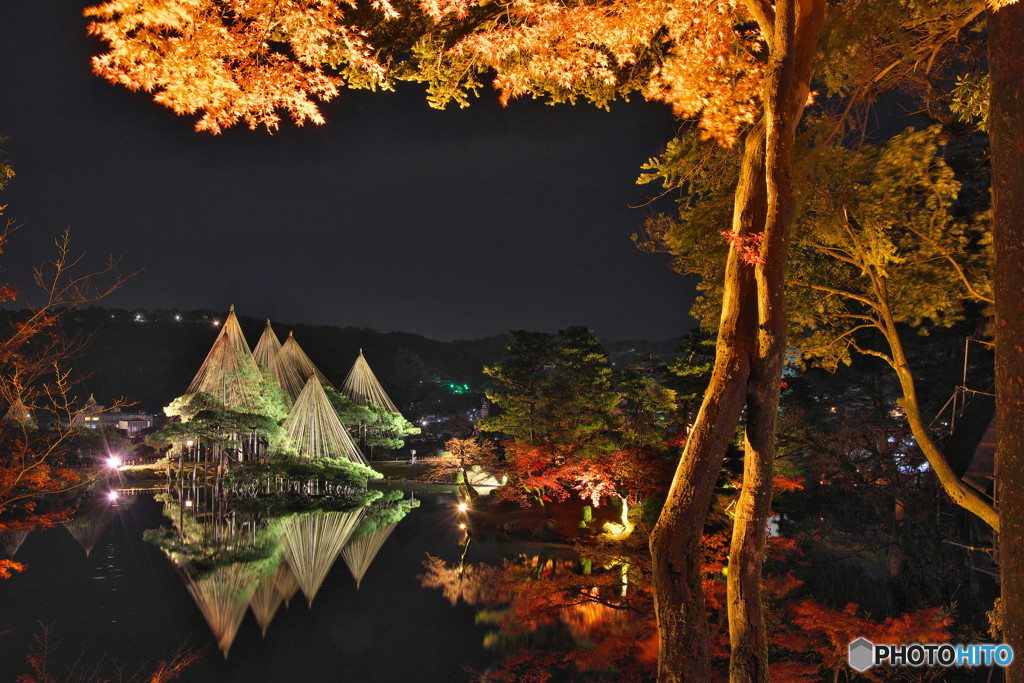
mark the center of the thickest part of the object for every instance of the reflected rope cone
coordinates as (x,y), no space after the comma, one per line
(267,348)
(360,552)
(314,430)
(293,369)
(267,597)
(311,544)
(229,371)
(10,541)
(223,598)
(285,583)
(88,526)
(362,386)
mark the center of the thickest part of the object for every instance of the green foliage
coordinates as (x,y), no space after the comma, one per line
(375,425)
(646,408)
(350,413)
(334,471)
(691,372)
(878,236)
(390,508)
(201,558)
(555,390)
(970,99)
(582,402)
(895,205)
(519,384)
(200,550)
(279,506)
(204,416)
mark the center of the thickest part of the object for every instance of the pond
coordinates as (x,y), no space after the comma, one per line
(104,596)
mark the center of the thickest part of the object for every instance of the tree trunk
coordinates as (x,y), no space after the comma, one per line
(797,23)
(676,538)
(955,487)
(1006,128)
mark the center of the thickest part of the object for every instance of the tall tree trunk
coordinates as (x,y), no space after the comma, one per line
(676,538)
(955,487)
(797,23)
(1006,129)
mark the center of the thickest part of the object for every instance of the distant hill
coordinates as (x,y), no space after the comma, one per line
(151,356)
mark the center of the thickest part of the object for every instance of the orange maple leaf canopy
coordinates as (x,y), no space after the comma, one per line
(251,61)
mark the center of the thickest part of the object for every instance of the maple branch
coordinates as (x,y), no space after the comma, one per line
(841,292)
(872,352)
(837,253)
(956,266)
(764,14)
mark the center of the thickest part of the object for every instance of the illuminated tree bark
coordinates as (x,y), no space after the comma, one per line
(748,371)
(797,23)
(1006,128)
(675,540)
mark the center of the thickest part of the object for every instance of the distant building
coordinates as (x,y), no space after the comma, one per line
(95,416)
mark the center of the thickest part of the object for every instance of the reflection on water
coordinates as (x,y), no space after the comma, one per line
(10,542)
(236,557)
(108,599)
(93,518)
(371,608)
(552,614)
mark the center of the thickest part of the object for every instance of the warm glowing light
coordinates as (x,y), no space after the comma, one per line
(112,496)
(613,529)
(216,323)
(462,525)
(113,462)
(188,503)
(463,507)
(189,443)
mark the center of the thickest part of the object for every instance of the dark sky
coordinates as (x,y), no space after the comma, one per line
(460,223)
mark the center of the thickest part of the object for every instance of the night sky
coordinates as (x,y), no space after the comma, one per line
(452,224)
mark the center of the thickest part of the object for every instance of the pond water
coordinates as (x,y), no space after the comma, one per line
(127,602)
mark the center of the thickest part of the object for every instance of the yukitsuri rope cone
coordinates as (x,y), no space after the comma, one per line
(88,527)
(223,597)
(361,385)
(268,596)
(10,541)
(314,430)
(292,368)
(267,348)
(312,542)
(229,372)
(285,583)
(360,552)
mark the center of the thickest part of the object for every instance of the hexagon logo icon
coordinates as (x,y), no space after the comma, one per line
(862,654)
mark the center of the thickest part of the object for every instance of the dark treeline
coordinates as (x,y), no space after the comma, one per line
(149,357)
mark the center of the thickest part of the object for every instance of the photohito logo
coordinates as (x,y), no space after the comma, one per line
(864,654)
